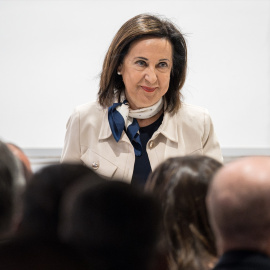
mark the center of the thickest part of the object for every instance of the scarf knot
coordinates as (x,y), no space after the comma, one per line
(121,118)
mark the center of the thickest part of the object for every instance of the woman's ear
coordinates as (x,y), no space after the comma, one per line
(119,69)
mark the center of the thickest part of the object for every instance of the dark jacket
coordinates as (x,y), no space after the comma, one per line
(243,260)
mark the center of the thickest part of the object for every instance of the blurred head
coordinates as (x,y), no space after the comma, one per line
(43,195)
(26,165)
(181,184)
(145,27)
(238,203)
(12,184)
(114,225)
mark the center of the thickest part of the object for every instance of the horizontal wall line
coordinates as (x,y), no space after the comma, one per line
(52,153)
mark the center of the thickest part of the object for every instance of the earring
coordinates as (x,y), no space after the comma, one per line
(118,72)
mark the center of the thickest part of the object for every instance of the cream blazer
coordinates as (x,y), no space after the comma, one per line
(89,140)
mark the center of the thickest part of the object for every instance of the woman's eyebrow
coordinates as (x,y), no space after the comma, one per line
(140,57)
(143,58)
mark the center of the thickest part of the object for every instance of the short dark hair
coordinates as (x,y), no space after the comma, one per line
(43,194)
(141,26)
(113,225)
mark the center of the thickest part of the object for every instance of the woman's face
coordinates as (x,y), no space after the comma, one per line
(146,71)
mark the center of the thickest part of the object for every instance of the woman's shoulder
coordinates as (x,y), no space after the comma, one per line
(89,110)
(193,117)
(188,117)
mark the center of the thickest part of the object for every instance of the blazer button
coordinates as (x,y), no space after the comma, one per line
(95,165)
(151,144)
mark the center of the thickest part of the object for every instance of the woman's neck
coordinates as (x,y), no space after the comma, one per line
(149,121)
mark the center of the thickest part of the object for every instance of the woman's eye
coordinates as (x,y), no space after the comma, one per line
(141,63)
(163,64)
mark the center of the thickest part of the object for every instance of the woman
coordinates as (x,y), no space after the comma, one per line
(181,185)
(139,120)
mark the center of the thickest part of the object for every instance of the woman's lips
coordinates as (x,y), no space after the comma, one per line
(148,89)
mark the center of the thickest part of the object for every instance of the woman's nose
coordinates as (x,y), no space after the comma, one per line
(151,75)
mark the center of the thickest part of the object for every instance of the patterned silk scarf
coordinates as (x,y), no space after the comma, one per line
(121,118)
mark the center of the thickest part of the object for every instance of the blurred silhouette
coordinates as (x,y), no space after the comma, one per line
(113,225)
(238,202)
(12,184)
(43,195)
(36,244)
(181,185)
(18,152)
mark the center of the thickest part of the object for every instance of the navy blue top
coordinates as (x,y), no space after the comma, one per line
(142,166)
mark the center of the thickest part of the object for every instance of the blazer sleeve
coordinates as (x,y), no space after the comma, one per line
(210,142)
(72,151)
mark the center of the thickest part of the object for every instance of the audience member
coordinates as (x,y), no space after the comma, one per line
(11,186)
(43,195)
(238,202)
(114,225)
(18,152)
(36,244)
(181,185)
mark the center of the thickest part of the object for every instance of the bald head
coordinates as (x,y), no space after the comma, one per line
(238,203)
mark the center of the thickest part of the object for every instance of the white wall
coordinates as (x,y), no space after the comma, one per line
(51,54)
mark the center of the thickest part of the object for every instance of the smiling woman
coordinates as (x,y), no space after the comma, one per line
(146,73)
(139,119)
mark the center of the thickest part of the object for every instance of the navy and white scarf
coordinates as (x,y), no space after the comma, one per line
(122,118)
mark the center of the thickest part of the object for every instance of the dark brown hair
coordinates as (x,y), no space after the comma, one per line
(138,27)
(181,184)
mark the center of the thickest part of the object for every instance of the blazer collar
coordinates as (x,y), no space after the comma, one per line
(168,128)
(105,130)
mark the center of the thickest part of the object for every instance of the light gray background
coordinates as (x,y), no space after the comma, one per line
(51,53)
